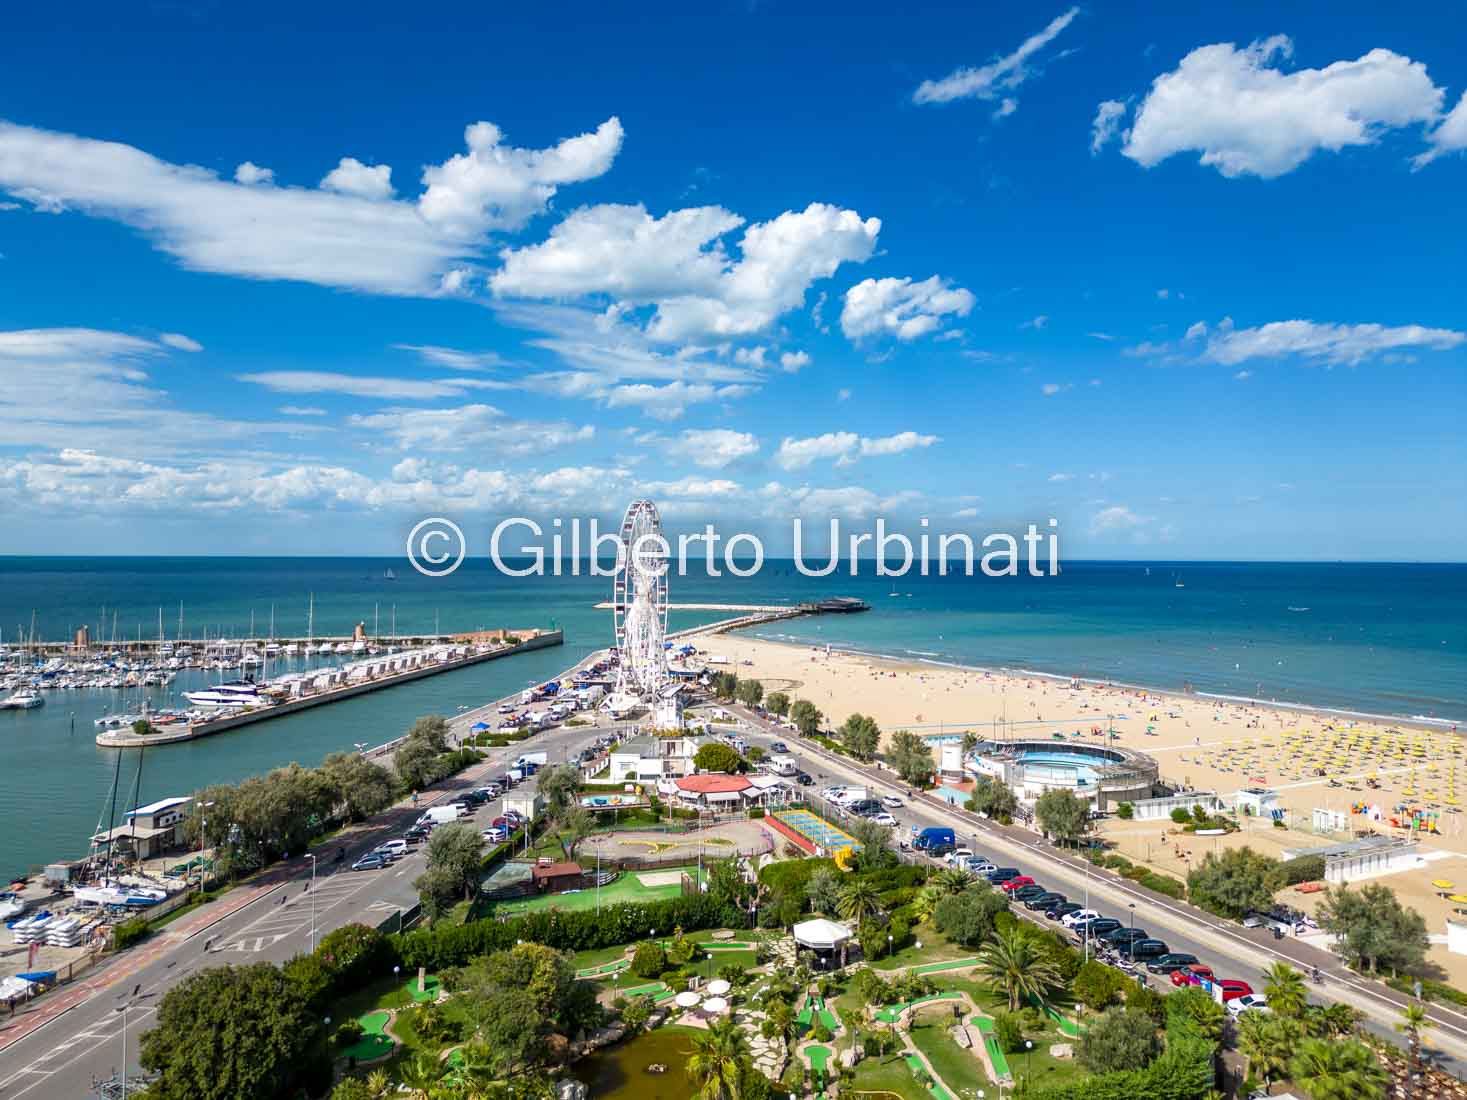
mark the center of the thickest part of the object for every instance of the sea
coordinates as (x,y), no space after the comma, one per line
(1377,639)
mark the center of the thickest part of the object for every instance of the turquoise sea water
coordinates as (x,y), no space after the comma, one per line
(1385,639)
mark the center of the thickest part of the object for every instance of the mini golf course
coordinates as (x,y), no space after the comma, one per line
(815,1010)
(374,1042)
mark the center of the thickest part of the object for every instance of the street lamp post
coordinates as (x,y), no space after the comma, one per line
(311,856)
(1028,1057)
(889,944)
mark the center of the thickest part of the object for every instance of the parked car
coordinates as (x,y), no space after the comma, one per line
(958,854)
(1025,893)
(976,865)
(1170,962)
(1249,1002)
(1140,950)
(369,862)
(1117,936)
(475,798)
(416,834)
(804,779)
(1012,884)
(1079,917)
(779,747)
(1002,874)
(1060,910)
(885,819)
(1191,975)
(1098,928)
(891,802)
(395,848)
(1043,901)
(494,836)
(1233,988)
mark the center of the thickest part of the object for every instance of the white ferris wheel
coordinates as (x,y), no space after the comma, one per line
(639,605)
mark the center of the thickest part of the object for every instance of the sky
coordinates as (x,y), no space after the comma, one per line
(1189,282)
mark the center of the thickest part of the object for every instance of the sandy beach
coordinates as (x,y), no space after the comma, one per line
(1314,760)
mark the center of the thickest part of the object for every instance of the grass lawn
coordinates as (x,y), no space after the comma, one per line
(1041,1070)
(889,1075)
(960,1068)
(935,948)
(627,887)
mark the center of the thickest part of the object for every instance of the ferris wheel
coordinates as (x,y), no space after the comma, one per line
(639,603)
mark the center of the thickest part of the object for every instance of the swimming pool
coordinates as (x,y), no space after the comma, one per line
(1062,767)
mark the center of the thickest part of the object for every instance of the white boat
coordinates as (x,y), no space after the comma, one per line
(291,649)
(343,647)
(231,693)
(358,646)
(10,906)
(110,893)
(24,699)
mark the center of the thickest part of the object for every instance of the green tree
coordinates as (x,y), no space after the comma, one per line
(749,692)
(1235,881)
(421,1074)
(780,1021)
(717,757)
(1334,1020)
(1062,815)
(363,788)
(1097,986)
(438,890)
(573,825)
(1341,1070)
(993,797)
(1014,965)
(970,744)
(457,850)
(716,1063)
(559,785)
(968,917)
(725,685)
(649,959)
(431,729)
(1284,988)
(1373,929)
(256,1007)
(416,764)
(911,756)
(636,1014)
(777,703)
(1269,1041)
(1413,1022)
(860,735)
(823,890)
(951,880)
(1125,811)
(858,900)
(1203,1013)
(806,717)
(1119,1039)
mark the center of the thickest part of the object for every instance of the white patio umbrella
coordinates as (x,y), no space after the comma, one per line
(687,999)
(718,987)
(714,1004)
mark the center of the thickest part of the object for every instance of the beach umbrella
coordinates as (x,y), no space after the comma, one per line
(714,1004)
(1442,884)
(687,999)
(1460,899)
(718,987)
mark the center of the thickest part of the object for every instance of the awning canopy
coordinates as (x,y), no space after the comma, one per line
(821,934)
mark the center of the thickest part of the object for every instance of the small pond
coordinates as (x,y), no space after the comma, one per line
(620,1072)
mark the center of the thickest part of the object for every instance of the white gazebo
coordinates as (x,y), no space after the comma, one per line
(824,937)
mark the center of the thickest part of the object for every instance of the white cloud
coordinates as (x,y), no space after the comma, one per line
(249,173)
(1246,116)
(793,361)
(180,342)
(670,401)
(1057,478)
(846,447)
(1243,376)
(1450,135)
(843,394)
(901,308)
(354,385)
(1000,75)
(965,513)
(1163,294)
(1333,344)
(352,177)
(301,410)
(1036,323)
(1196,331)
(387,246)
(453,358)
(713,448)
(483,428)
(751,357)
(1050,389)
(1106,124)
(1118,519)
(679,264)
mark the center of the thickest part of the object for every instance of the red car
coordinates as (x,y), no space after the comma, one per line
(1233,987)
(1015,882)
(1192,975)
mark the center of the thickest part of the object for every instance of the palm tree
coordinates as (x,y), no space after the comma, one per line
(379,1084)
(1014,963)
(716,1062)
(925,902)
(1338,1071)
(1413,1022)
(781,1018)
(420,1074)
(858,900)
(1285,990)
(1269,1041)
(950,880)
(1337,1019)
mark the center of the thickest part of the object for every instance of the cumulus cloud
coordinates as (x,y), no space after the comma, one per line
(901,308)
(670,401)
(1003,74)
(1246,116)
(249,173)
(180,342)
(793,361)
(678,263)
(1118,519)
(713,448)
(1106,125)
(352,177)
(1450,135)
(846,447)
(352,236)
(1036,323)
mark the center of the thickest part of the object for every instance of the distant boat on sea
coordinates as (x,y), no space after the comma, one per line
(389,575)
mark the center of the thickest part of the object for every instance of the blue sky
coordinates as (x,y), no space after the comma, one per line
(1190,283)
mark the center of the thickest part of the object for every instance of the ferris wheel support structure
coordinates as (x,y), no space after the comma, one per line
(639,606)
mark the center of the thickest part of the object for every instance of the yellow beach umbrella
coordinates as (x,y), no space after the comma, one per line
(1460,899)
(1442,884)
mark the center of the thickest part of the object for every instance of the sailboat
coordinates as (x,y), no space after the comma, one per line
(389,575)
